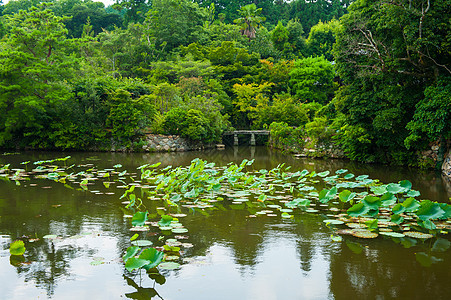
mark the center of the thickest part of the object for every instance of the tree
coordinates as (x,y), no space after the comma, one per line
(388,54)
(312,80)
(34,72)
(176,22)
(249,20)
(322,38)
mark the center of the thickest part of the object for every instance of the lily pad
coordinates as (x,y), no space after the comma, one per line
(418,235)
(142,243)
(392,234)
(179,230)
(333,222)
(50,236)
(364,233)
(169,265)
(17,248)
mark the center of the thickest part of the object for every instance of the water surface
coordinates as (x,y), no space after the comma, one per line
(233,256)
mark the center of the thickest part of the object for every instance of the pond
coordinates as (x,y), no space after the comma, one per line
(76,235)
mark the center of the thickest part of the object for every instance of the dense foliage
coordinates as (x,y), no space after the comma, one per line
(371,77)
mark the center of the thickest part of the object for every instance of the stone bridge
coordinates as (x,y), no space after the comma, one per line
(252,133)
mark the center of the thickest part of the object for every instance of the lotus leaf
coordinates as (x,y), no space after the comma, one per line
(358,210)
(142,243)
(17,248)
(429,210)
(139,218)
(153,256)
(333,222)
(134,263)
(346,196)
(392,234)
(418,235)
(364,233)
(441,245)
(169,265)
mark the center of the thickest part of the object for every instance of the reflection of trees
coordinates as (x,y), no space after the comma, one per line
(384,270)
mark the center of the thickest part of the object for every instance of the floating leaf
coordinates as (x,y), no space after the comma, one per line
(179,230)
(349,176)
(134,237)
(393,234)
(394,188)
(142,243)
(333,222)
(341,171)
(17,248)
(286,215)
(413,193)
(379,189)
(50,236)
(418,235)
(323,174)
(361,177)
(169,265)
(336,238)
(364,233)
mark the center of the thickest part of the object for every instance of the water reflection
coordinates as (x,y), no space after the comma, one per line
(234,257)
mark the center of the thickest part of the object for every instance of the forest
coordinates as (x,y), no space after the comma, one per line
(370,77)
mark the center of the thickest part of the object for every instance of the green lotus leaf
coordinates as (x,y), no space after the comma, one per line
(406,184)
(371,224)
(427,224)
(333,222)
(142,243)
(361,177)
(411,204)
(134,237)
(50,236)
(372,202)
(358,209)
(346,196)
(169,265)
(179,230)
(153,256)
(134,263)
(395,188)
(303,173)
(336,238)
(447,210)
(349,176)
(131,251)
(398,209)
(388,199)
(379,189)
(397,219)
(17,248)
(341,171)
(413,193)
(323,174)
(429,210)
(286,215)
(165,220)
(393,234)
(139,218)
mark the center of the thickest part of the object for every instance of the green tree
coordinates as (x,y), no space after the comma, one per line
(322,38)
(249,20)
(312,80)
(279,37)
(176,22)
(34,72)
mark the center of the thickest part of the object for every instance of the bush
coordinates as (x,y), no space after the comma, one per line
(286,137)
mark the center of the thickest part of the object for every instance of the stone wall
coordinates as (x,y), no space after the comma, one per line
(446,167)
(171,143)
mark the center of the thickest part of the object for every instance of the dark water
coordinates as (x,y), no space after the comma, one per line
(233,256)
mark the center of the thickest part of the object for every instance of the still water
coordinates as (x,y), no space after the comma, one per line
(227,255)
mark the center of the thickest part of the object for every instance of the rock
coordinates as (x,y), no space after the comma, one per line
(435,148)
(446,167)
